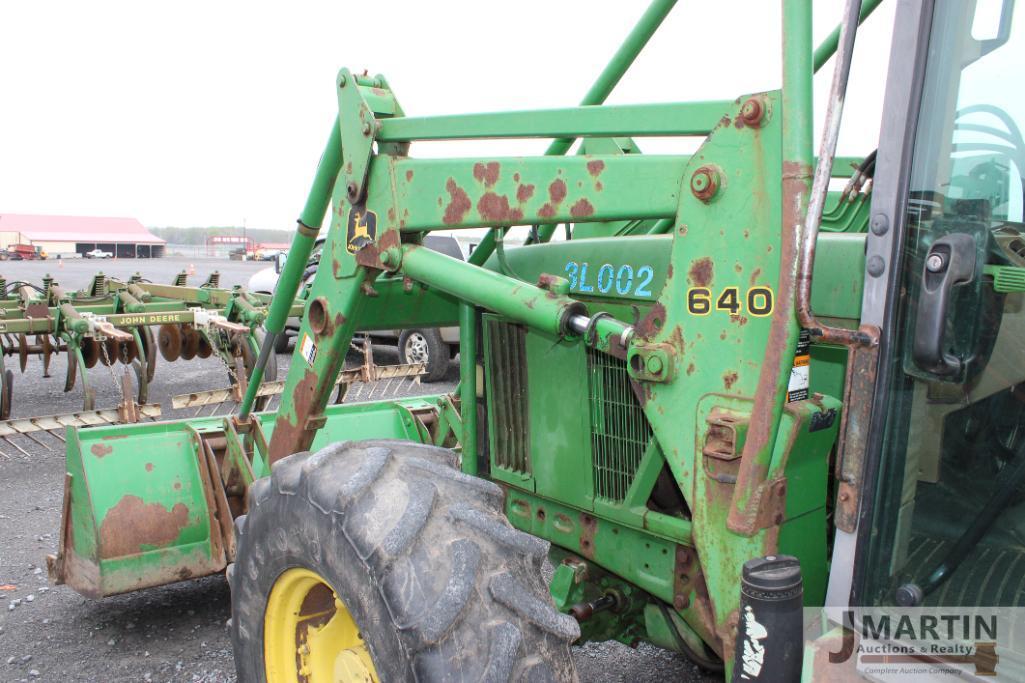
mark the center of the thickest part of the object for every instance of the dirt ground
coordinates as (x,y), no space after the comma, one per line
(175,633)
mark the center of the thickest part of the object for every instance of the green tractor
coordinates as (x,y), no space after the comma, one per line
(730,385)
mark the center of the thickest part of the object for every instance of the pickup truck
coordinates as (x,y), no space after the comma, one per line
(97,253)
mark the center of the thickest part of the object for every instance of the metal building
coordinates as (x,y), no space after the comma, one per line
(70,235)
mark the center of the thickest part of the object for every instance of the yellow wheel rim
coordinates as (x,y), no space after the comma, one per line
(309,635)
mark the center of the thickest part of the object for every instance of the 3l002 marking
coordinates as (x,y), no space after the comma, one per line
(608,278)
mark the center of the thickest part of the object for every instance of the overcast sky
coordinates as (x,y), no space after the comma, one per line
(211,113)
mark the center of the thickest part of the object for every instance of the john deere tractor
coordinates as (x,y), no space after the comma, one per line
(710,389)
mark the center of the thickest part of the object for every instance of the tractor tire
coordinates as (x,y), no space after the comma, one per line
(281,343)
(425,346)
(437,583)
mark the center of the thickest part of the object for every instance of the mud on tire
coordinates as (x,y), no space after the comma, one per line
(442,587)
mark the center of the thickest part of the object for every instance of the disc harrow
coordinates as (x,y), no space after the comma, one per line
(111,323)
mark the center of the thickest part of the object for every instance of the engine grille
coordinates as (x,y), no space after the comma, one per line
(508,410)
(619,430)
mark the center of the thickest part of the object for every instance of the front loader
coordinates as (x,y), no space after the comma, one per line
(727,365)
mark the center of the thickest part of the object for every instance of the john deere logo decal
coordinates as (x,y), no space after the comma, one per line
(361,229)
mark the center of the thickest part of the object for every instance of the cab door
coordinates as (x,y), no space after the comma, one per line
(943,514)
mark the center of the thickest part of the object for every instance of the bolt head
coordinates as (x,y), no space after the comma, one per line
(341,82)
(704,183)
(654,365)
(752,112)
(366,128)
(351,189)
(681,602)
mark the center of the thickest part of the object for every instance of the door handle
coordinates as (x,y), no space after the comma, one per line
(951,261)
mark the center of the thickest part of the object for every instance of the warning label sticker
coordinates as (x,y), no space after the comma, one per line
(800,377)
(308,349)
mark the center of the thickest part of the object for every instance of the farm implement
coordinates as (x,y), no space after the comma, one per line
(111,323)
(726,391)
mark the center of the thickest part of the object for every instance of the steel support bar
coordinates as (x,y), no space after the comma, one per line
(634,120)
(427,194)
(827,48)
(525,303)
(310,220)
(620,63)
(468,386)
(779,357)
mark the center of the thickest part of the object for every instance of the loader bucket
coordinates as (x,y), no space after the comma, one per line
(138,509)
(153,503)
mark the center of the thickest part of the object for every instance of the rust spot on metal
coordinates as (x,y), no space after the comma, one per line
(581,208)
(755,274)
(149,467)
(588,528)
(690,369)
(647,327)
(722,335)
(369,255)
(516,177)
(546,280)
(595,167)
(132,523)
(177,486)
(495,208)
(487,173)
(524,192)
(728,379)
(557,191)
(409,174)
(113,437)
(700,274)
(101,449)
(458,205)
(290,434)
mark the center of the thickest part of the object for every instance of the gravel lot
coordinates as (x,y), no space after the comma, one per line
(174,633)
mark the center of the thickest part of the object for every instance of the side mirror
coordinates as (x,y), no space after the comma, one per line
(279,263)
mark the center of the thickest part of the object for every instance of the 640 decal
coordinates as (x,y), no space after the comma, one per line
(757,301)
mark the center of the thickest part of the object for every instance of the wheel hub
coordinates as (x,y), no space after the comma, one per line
(309,636)
(416,348)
